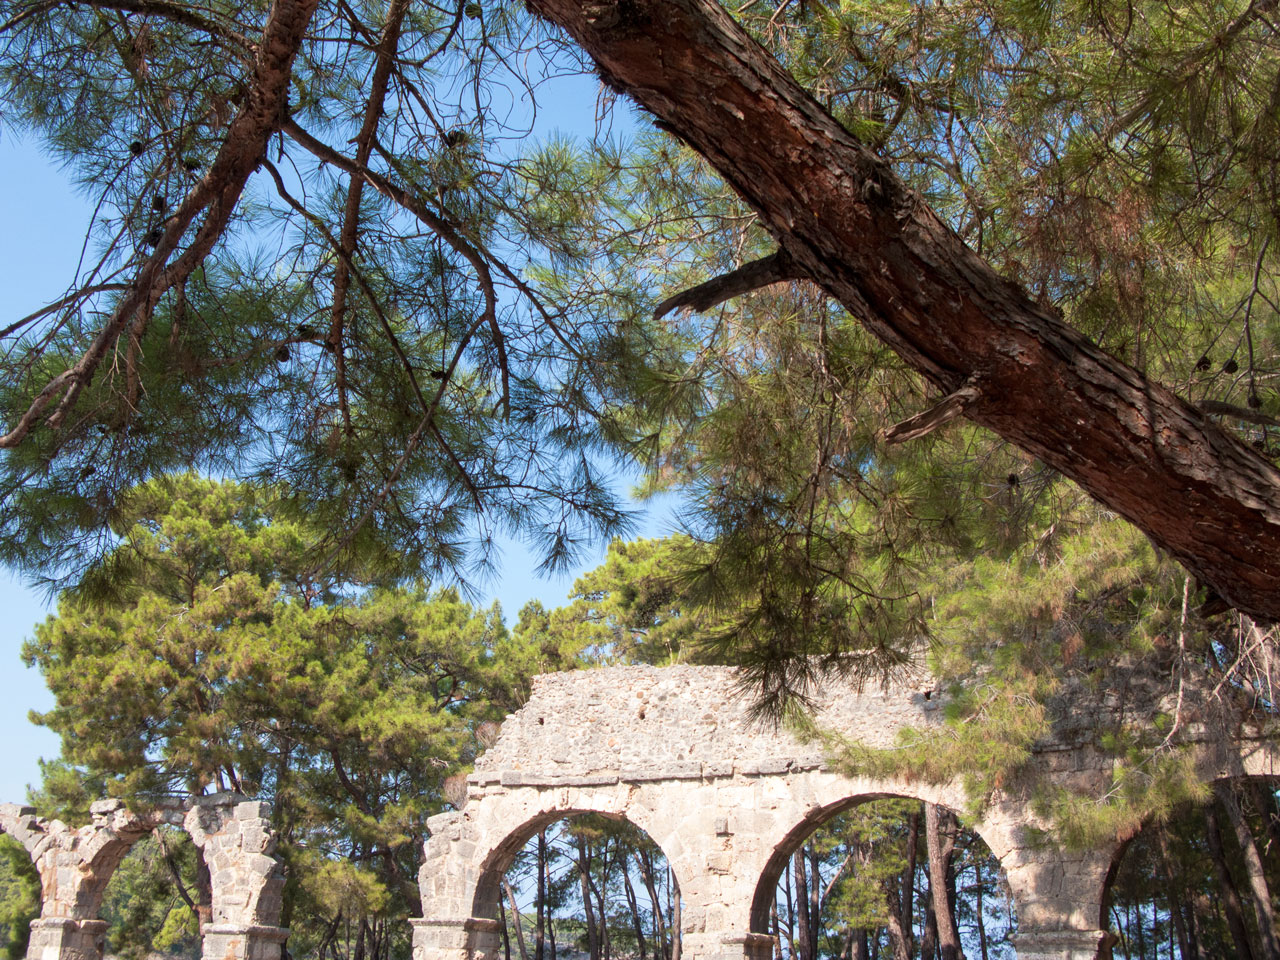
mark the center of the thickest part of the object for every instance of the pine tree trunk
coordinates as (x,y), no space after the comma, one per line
(896,924)
(909,879)
(1176,893)
(593,935)
(799,875)
(849,223)
(661,947)
(634,905)
(941,845)
(539,944)
(515,919)
(1264,801)
(506,935)
(1230,898)
(978,911)
(815,903)
(1260,890)
(677,932)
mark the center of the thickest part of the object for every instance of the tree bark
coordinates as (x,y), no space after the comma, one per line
(633,904)
(900,940)
(1176,893)
(909,880)
(853,227)
(1230,899)
(1259,889)
(941,843)
(804,948)
(584,884)
(515,919)
(539,943)
(677,918)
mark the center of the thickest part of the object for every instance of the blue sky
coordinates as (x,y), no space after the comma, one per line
(42,221)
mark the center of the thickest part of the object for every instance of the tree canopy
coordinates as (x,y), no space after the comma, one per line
(325,257)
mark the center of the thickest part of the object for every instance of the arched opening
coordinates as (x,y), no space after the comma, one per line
(586,886)
(150,899)
(884,877)
(1201,883)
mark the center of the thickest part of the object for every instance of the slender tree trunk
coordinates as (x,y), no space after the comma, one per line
(815,903)
(602,913)
(539,945)
(800,876)
(1258,886)
(1176,893)
(359,951)
(941,845)
(506,934)
(908,887)
(516,922)
(1229,896)
(584,883)
(899,938)
(777,935)
(791,911)
(677,916)
(929,939)
(634,904)
(978,911)
(1264,800)
(551,920)
(661,947)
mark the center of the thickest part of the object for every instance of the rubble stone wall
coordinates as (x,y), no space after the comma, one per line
(678,752)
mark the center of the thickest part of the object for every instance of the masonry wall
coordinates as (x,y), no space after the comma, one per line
(678,753)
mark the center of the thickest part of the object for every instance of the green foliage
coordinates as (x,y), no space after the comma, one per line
(202,654)
(142,907)
(19,897)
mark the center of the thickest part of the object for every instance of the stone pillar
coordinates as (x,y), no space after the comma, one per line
(74,868)
(1058,944)
(726,946)
(66,938)
(1059,901)
(474,938)
(236,841)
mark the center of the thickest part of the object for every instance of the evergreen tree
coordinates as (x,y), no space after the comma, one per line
(214,662)
(422,375)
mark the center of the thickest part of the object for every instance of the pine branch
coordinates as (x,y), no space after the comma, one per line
(218,192)
(946,410)
(775,268)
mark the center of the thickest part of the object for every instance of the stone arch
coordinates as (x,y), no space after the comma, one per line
(75,867)
(234,838)
(492,864)
(1181,823)
(816,817)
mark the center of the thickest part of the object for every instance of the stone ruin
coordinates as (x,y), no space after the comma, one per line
(234,837)
(675,751)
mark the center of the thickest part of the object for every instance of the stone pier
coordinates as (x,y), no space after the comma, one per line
(233,835)
(728,801)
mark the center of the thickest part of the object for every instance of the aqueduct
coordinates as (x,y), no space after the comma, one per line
(675,751)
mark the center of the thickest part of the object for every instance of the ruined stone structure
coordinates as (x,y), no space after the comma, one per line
(675,752)
(234,836)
